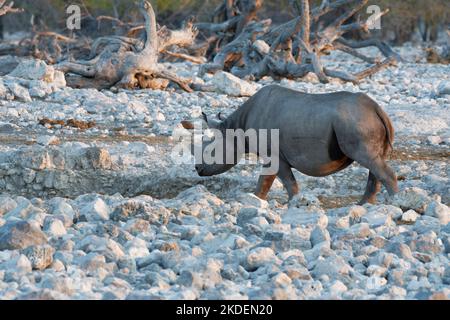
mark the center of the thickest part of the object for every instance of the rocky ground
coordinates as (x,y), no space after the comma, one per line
(93,206)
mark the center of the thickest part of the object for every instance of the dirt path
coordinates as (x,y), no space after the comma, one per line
(170,187)
(403,150)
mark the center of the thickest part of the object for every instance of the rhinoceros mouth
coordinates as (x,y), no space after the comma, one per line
(201,171)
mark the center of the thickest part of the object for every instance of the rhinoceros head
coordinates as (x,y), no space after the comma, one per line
(213,156)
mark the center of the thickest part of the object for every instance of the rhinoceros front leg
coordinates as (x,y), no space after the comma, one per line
(287,179)
(264,185)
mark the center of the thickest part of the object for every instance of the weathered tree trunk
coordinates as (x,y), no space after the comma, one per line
(5,8)
(126,62)
(1,28)
(433,55)
(233,53)
(234,16)
(446,53)
(47,46)
(294,48)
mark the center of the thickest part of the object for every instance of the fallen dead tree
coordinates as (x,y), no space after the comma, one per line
(129,62)
(8,8)
(49,46)
(4,9)
(294,48)
(232,16)
(7,48)
(433,56)
(44,45)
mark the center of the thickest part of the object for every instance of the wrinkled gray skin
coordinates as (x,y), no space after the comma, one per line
(320,134)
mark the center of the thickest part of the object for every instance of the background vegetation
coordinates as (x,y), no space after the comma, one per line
(405,17)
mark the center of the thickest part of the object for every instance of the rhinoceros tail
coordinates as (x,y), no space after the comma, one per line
(388,126)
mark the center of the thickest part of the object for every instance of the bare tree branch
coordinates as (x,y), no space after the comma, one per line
(7,8)
(295,48)
(125,62)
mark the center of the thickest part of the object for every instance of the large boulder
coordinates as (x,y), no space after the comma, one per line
(249,199)
(334,267)
(98,158)
(96,210)
(34,70)
(3,90)
(16,266)
(412,199)
(410,216)
(306,216)
(40,256)
(381,215)
(319,235)
(21,93)
(20,235)
(259,257)
(36,79)
(440,211)
(7,204)
(231,85)
(444,88)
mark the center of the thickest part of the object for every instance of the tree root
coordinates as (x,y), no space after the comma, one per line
(294,49)
(130,63)
(444,58)
(183,56)
(8,8)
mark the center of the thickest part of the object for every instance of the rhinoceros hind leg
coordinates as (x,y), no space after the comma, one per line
(372,189)
(382,172)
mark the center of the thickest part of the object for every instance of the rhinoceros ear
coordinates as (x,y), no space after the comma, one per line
(212,123)
(220,116)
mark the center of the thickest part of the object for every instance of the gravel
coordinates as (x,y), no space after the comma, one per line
(104,212)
